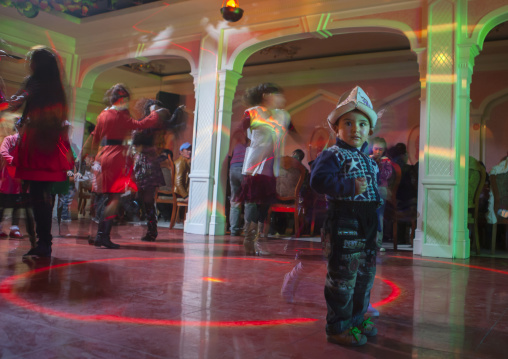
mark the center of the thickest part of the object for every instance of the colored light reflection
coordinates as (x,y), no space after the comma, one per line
(454,264)
(215,280)
(8,292)
(392,296)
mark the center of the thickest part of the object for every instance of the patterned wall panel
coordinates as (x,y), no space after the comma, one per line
(440,84)
(439,217)
(202,158)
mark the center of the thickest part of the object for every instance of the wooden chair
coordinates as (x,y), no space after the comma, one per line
(499,187)
(175,201)
(166,194)
(289,182)
(477,176)
(180,202)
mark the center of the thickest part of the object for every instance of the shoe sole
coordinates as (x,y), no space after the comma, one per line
(358,344)
(371,333)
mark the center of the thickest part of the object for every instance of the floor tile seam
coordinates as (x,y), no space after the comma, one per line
(491,328)
(44,347)
(11,357)
(109,344)
(67,331)
(79,336)
(296,341)
(451,353)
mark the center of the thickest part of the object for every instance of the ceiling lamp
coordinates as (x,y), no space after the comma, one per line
(231,10)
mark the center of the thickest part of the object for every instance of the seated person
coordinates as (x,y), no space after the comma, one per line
(500,168)
(182,169)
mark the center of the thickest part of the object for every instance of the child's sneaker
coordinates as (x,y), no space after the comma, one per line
(352,337)
(372,312)
(3,235)
(367,328)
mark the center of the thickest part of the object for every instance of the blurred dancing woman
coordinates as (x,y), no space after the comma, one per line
(147,169)
(42,155)
(115,124)
(267,123)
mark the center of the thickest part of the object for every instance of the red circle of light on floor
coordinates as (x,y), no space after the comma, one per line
(395,293)
(8,293)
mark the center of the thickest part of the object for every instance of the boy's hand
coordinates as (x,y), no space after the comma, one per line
(360,185)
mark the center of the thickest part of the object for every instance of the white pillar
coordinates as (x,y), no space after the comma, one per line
(228,80)
(466,53)
(422,63)
(204,140)
(77,113)
(444,153)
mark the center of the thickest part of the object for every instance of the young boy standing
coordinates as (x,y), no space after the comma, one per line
(348,177)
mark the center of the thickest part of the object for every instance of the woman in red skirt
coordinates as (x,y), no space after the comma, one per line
(114,166)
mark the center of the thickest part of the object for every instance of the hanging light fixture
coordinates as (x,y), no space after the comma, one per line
(231,10)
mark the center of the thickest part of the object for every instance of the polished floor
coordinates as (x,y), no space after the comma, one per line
(190,296)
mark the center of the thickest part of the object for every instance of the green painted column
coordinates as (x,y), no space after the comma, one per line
(444,151)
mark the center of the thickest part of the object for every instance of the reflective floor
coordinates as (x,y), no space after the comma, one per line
(190,296)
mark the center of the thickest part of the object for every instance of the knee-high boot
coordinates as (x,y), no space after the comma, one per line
(260,250)
(103,235)
(250,235)
(151,232)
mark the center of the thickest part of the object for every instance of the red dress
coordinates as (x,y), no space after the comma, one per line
(43,152)
(113,127)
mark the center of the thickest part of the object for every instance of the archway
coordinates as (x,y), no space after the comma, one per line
(165,77)
(157,76)
(315,72)
(489,105)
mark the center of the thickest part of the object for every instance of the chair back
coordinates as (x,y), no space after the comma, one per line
(477,176)
(499,186)
(290,180)
(166,194)
(168,170)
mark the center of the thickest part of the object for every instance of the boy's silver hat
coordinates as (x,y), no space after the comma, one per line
(356,99)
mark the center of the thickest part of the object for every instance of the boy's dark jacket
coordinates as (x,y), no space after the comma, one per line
(334,172)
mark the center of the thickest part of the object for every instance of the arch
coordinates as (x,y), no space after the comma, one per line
(487,23)
(484,110)
(242,53)
(90,74)
(492,101)
(311,99)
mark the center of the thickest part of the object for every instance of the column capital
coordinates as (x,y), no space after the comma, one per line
(228,79)
(467,53)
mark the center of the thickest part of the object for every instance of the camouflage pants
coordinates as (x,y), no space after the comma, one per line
(349,238)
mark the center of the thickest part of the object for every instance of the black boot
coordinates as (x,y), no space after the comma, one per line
(42,249)
(151,233)
(98,238)
(103,237)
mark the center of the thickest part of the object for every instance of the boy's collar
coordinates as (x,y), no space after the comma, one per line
(343,144)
